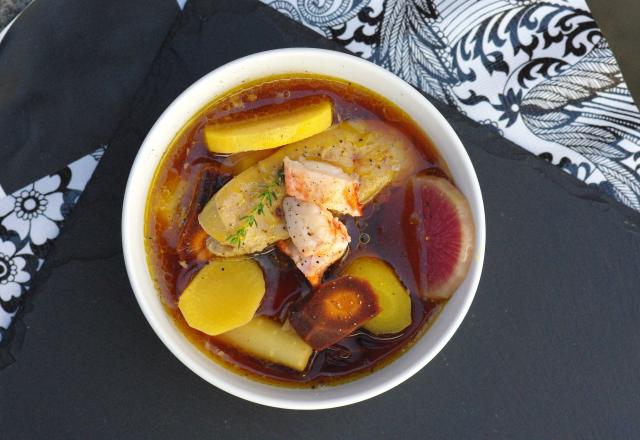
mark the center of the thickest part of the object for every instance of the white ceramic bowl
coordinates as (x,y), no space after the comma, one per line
(215,84)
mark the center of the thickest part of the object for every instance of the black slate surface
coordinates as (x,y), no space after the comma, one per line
(618,20)
(550,348)
(67,79)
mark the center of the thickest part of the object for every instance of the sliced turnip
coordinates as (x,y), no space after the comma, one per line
(445,234)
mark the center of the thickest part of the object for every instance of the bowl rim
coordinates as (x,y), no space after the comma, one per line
(133,242)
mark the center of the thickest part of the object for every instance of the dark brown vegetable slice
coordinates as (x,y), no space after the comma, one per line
(192,242)
(334,311)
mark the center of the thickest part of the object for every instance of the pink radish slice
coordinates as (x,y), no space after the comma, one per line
(446,234)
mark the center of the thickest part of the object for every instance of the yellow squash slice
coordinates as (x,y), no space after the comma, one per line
(270,130)
(224,295)
(268,340)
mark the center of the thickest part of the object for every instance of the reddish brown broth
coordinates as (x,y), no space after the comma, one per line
(190,174)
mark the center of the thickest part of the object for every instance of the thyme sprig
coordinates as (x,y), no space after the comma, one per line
(266,198)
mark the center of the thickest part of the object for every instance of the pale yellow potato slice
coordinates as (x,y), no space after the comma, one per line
(224,295)
(270,130)
(268,340)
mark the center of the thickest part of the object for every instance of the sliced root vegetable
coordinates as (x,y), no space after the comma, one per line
(210,221)
(168,201)
(393,297)
(223,250)
(284,124)
(446,235)
(224,295)
(268,340)
(334,311)
(226,213)
(192,241)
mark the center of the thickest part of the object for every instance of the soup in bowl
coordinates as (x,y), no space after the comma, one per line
(303,229)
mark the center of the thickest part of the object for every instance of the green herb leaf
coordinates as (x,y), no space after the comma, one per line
(268,195)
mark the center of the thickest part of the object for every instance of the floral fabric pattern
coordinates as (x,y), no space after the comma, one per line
(13,270)
(30,219)
(539,72)
(35,211)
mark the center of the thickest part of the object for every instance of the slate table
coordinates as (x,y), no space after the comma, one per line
(550,348)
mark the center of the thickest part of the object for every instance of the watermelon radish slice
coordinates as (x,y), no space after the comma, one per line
(445,233)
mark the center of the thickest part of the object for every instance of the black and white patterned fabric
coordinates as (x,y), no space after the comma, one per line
(539,72)
(30,219)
